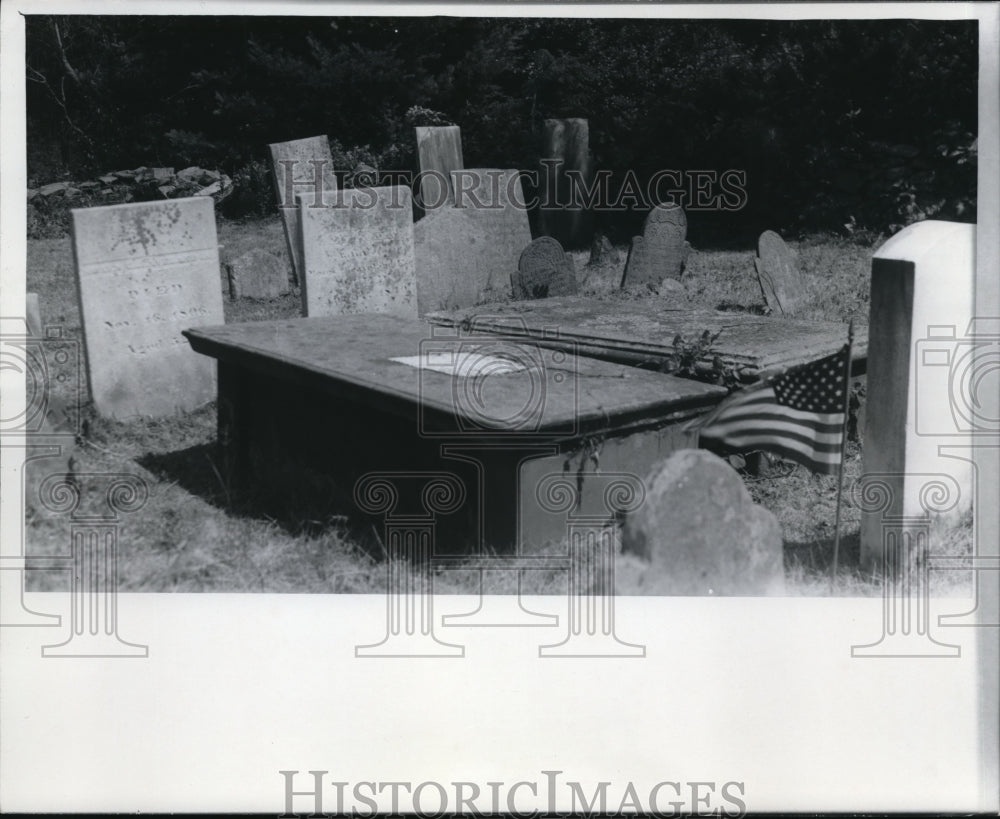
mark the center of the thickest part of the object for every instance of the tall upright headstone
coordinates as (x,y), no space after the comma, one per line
(923,376)
(358,253)
(466,250)
(661,251)
(778,275)
(439,152)
(566,163)
(146,271)
(297,167)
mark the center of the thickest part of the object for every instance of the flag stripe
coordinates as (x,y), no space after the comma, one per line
(778,416)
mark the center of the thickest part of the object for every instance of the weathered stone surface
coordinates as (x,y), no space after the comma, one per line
(358,253)
(439,152)
(661,251)
(108,179)
(464,252)
(778,274)
(566,147)
(544,269)
(296,168)
(53,188)
(673,290)
(147,271)
(257,274)
(702,534)
(33,315)
(923,386)
(88,186)
(162,174)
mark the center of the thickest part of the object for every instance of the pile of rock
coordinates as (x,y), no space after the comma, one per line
(141,184)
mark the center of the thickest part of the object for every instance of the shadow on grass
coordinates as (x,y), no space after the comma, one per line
(198,470)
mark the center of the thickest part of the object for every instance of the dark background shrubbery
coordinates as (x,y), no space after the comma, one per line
(839,125)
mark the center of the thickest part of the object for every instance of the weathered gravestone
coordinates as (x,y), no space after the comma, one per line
(661,251)
(778,274)
(439,152)
(701,532)
(297,167)
(33,315)
(257,274)
(145,272)
(464,251)
(358,253)
(544,270)
(566,165)
(924,380)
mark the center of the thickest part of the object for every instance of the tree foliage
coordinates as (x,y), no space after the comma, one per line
(866,123)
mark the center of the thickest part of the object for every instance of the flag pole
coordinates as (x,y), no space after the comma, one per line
(843,456)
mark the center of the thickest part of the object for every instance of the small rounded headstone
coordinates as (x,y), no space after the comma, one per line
(700,532)
(544,270)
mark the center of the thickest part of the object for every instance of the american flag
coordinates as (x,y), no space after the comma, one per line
(798,415)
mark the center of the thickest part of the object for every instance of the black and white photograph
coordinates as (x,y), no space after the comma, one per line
(506,409)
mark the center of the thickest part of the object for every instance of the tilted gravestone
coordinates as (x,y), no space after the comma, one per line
(701,533)
(778,274)
(661,252)
(439,152)
(358,253)
(544,270)
(566,164)
(296,168)
(466,250)
(146,271)
(257,274)
(931,393)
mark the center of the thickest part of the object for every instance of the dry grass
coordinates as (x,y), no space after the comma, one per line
(188,538)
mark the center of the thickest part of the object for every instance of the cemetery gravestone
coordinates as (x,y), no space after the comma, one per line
(544,270)
(257,274)
(562,214)
(464,251)
(439,152)
(296,167)
(778,274)
(33,315)
(358,253)
(661,251)
(701,532)
(921,372)
(145,272)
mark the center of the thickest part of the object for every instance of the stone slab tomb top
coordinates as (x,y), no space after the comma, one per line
(145,271)
(357,358)
(757,346)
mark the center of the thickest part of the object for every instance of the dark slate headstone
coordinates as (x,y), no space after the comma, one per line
(661,251)
(296,167)
(544,270)
(562,214)
(463,252)
(439,152)
(600,249)
(701,532)
(778,274)
(257,274)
